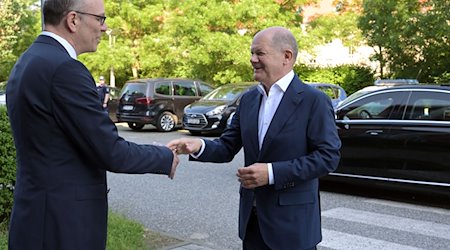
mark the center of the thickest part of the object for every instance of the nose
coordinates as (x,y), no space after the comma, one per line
(104,27)
(253,58)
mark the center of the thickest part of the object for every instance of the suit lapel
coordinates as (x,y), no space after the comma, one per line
(252,118)
(288,106)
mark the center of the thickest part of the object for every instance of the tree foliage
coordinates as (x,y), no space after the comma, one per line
(349,77)
(8,166)
(18,19)
(200,39)
(210,40)
(411,37)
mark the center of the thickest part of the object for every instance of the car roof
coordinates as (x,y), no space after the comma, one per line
(376,89)
(323,84)
(245,84)
(395,82)
(424,86)
(146,80)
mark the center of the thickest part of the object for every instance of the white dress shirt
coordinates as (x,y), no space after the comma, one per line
(269,105)
(69,48)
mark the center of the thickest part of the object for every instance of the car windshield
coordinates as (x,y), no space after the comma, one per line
(360,93)
(133,89)
(225,93)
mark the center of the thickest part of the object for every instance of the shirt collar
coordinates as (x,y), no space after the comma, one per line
(282,84)
(69,48)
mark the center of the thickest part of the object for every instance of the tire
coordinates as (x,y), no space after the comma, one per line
(166,122)
(135,126)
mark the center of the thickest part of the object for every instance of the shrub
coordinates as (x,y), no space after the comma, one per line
(349,77)
(8,166)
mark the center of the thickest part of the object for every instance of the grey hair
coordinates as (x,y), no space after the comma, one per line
(55,10)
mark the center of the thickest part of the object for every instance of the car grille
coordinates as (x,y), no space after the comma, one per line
(200,118)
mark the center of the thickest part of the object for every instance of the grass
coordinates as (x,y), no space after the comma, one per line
(123,234)
(126,234)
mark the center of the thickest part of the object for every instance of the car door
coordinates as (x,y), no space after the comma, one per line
(426,133)
(364,127)
(185,92)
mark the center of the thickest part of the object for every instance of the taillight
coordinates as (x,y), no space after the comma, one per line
(144,100)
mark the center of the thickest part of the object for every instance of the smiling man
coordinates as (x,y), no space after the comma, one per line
(64,140)
(289,136)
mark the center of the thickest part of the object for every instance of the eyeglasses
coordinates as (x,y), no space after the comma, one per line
(101,19)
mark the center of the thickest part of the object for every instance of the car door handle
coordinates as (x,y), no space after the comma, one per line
(374,132)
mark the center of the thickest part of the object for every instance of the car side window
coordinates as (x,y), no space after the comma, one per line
(163,88)
(389,105)
(333,93)
(184,88)
(204,89)
(429,105)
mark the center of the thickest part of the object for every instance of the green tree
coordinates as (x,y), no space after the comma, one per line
(404,42)
(332,26)
(202,39)
(18,23)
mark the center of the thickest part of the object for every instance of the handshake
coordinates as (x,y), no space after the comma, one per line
(185,145)
(252,176)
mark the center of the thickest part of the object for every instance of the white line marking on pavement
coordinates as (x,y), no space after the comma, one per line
(435,210)
(389,221)
(338,240)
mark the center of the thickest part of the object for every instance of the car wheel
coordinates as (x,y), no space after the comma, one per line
(135,126)
(195,133)
(166,122)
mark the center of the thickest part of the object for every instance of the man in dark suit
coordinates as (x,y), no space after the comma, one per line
(288,133)
(65,142)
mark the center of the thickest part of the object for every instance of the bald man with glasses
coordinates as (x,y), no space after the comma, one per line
(64,140)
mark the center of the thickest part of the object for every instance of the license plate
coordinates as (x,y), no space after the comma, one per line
(127,107)
(193,121)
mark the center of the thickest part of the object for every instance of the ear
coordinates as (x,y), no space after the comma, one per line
(288,55)
(72,21)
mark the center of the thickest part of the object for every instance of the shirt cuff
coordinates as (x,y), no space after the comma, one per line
(270,171)
(200,152)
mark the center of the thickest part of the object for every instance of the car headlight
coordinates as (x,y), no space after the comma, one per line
(216,111)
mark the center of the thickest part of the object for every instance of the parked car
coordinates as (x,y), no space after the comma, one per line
(159,102)
(213,112)
(335,92)
(397,137)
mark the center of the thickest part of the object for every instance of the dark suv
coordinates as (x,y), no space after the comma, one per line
(159,102)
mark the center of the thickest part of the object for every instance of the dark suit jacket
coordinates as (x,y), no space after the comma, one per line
(302,143)
(65,144)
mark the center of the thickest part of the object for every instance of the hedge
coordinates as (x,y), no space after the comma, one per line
(8,166)
(350,77)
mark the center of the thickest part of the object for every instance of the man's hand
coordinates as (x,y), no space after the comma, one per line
(175,162)
(253,176)
(185,145)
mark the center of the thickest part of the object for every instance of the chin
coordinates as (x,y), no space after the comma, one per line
(257,77)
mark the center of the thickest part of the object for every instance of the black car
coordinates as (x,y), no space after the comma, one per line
(396,137)
(159,102)
(213,112)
